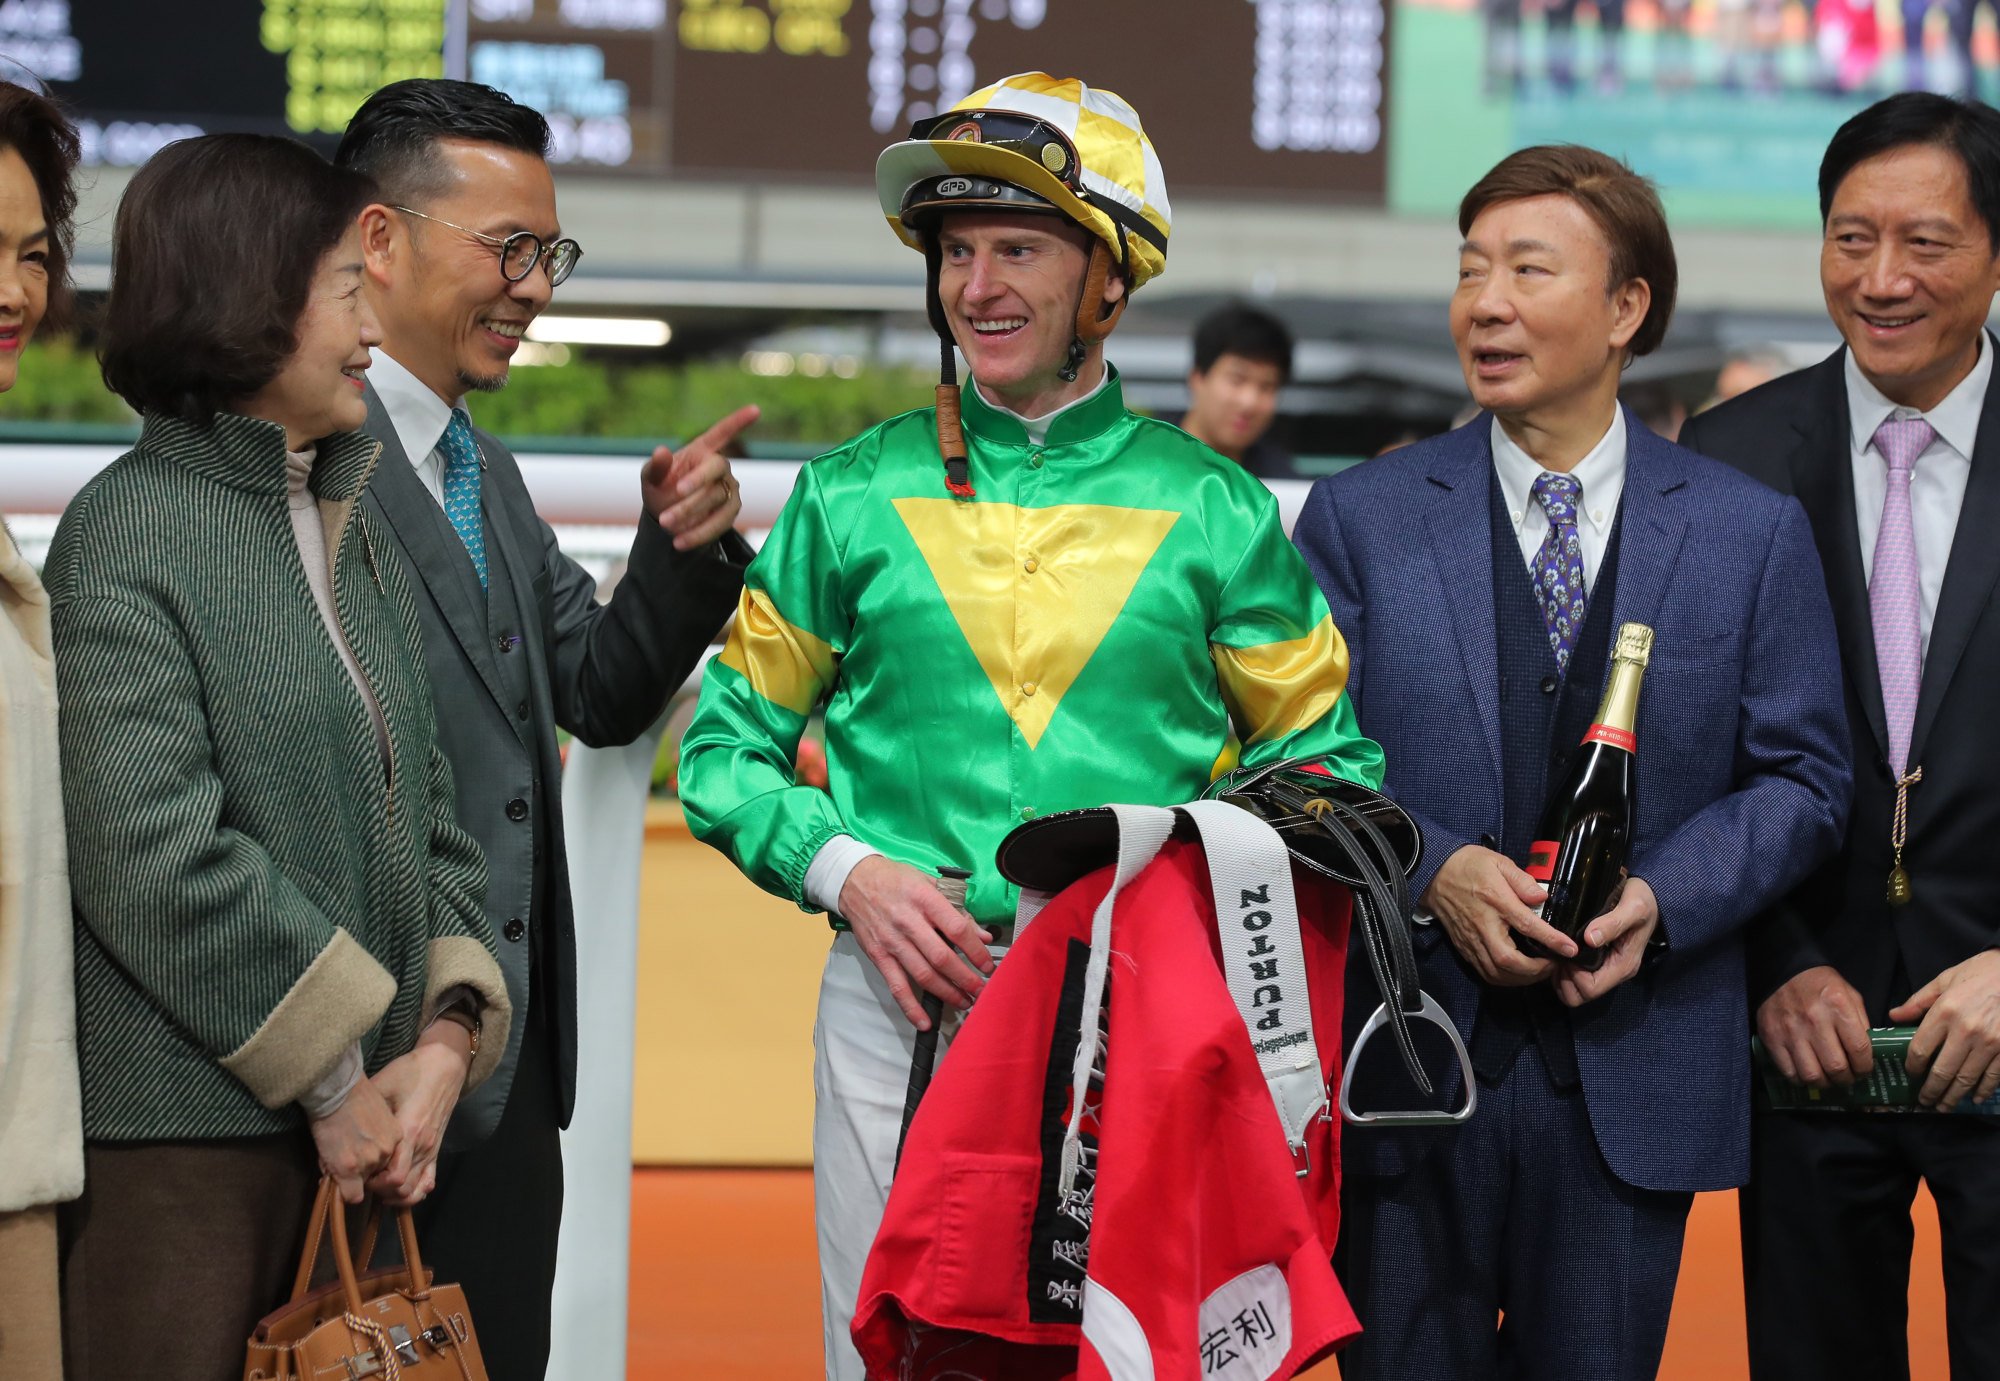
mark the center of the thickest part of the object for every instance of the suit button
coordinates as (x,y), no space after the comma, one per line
(521,711)
(1488,841)
(506,642)
(514,929)
(517,809)
(1549,684)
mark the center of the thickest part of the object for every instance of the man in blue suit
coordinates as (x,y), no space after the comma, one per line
(1480,578)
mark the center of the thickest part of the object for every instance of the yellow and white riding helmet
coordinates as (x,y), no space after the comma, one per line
(1036,143)
(1066,146)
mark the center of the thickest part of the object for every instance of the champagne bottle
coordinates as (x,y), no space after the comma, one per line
(1586,828)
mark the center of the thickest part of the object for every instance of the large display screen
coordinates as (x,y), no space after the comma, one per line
(1727,103)
(139,73)
(1281,96)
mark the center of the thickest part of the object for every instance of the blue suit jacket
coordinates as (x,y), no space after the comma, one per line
(1743,772)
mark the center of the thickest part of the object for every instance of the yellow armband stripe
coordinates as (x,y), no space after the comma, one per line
(782,662)
(1280,688)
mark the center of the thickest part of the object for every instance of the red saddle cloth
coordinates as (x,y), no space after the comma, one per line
(1189,1248)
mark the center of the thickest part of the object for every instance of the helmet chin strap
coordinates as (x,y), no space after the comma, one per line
(1095,319)
(950,432)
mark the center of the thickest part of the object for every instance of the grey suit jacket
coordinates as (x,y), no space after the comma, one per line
(601,671)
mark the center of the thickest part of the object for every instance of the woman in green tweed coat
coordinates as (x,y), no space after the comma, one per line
(282,964)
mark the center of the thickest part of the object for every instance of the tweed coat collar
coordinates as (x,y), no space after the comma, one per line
(248,453)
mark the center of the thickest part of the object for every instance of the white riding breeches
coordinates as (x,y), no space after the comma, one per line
(862,1048)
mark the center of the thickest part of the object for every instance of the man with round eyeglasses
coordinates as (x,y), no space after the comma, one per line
(520,252)
(461,253)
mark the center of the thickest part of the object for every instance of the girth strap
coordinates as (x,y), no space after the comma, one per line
(1263,958)
(1256,910)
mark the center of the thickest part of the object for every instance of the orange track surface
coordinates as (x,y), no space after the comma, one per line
(724,1286)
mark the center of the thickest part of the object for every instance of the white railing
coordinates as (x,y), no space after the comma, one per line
(569,490)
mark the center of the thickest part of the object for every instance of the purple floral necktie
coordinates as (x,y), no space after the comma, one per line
(1558,566)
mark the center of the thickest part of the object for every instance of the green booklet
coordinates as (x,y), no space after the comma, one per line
(1888,1088)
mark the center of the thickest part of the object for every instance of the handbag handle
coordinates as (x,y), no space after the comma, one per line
(329,1208)
(315,1229)
(343,1262)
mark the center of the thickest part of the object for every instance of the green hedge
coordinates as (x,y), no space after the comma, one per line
(588,397)
(59,382)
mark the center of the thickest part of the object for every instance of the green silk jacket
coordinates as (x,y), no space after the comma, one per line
(1117,616)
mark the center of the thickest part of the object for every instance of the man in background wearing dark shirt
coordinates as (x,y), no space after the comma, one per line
(1242,357)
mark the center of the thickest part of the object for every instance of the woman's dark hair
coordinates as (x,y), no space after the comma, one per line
(214,251)
(34,126)
(1237,329)
(1624,206)
(393,137)
(1969,129)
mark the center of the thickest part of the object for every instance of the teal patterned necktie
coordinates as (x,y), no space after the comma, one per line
(461,488)
(1558,566)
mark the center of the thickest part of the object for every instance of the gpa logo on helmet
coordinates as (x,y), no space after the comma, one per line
(954,187)
(968,132)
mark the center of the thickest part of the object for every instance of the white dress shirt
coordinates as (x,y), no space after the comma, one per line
(1937,482)
(418,415)
(1602,475)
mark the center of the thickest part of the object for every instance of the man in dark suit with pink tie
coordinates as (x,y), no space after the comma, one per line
(1893,446)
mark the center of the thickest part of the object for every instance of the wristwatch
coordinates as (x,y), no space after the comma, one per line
(463,1014)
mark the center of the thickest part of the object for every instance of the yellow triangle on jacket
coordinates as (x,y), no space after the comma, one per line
(1034,590)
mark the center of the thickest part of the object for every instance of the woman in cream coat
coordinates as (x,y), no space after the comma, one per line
(41,1128)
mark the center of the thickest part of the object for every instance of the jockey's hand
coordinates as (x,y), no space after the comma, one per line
(914,936)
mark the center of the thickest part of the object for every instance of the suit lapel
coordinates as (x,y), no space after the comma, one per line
(1970,575)
(1460,528)
(1822,468)
(435,552)
(1653,528)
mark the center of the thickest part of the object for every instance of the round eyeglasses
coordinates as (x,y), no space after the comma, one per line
(519,252)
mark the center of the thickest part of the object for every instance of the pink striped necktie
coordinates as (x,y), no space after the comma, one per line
(1894,599)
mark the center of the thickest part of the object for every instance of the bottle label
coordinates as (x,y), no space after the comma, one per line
(1617,738)
(1542,859)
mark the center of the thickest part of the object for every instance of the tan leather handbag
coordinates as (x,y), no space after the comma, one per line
(389,1322)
